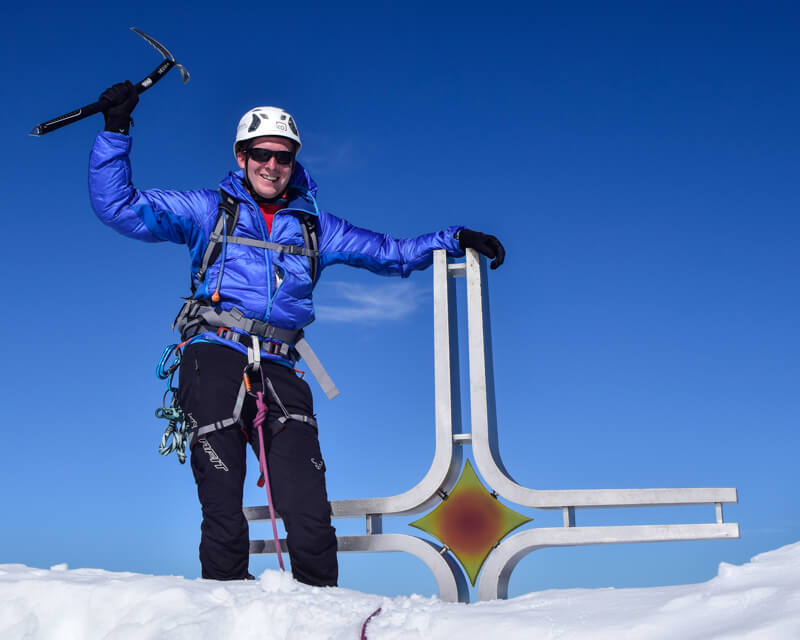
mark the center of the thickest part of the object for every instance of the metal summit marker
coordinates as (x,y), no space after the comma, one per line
(472,527)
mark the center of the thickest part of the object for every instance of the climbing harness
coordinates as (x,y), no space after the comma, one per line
(178,428)
(199,316)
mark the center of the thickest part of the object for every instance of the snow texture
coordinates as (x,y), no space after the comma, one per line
(760,599)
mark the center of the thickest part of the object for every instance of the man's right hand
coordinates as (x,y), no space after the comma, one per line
(122,99)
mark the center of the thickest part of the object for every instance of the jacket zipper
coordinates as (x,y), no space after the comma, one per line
(267,262)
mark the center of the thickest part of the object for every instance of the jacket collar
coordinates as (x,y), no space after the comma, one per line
(302,188)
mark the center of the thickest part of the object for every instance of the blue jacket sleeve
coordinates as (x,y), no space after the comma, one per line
(154,215)
(344,243)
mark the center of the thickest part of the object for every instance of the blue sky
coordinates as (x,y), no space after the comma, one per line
(638,160)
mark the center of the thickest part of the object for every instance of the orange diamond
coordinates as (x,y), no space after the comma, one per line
(470,522)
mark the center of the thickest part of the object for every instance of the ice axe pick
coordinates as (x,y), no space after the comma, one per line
(97,107)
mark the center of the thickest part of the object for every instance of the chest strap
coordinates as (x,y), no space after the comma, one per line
(292,249)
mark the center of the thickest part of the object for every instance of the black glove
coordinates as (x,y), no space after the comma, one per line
(484,244)
(122,99)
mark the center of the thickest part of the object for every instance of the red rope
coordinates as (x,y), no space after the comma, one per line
(366,622)
(261,416)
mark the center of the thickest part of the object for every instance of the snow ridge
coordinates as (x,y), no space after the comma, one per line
(758,600)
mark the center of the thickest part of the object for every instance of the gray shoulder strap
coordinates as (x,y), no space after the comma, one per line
(227,216)
(308,225)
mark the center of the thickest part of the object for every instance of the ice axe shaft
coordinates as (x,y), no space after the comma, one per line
(97,107)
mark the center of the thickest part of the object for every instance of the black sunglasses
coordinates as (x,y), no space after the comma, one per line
(260,154)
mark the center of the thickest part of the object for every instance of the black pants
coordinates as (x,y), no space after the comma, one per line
(210,376)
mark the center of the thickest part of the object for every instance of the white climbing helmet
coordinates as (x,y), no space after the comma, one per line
(266,121)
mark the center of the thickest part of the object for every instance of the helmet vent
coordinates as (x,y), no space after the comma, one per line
(254,124)
(292,126)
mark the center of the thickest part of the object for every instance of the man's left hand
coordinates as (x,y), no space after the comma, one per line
(483,244)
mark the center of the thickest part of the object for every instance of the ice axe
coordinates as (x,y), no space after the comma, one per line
(97,107)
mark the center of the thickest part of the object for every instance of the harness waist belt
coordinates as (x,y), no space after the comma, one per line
(197,316)
(195,313)
(283,349)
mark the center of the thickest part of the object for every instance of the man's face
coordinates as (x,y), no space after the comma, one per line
(268,179)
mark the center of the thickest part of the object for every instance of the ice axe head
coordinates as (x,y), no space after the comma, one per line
(168,57)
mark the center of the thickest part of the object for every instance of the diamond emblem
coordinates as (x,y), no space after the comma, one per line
(470,522)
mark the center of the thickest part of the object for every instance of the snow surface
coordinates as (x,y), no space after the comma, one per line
(760,599)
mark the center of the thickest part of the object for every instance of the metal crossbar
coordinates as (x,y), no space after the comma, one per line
(447,462)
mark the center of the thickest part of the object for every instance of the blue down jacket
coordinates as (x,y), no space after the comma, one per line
(264,284)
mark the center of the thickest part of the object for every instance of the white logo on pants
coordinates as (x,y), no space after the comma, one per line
(212,455)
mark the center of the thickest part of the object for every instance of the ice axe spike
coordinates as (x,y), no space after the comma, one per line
(96,107)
